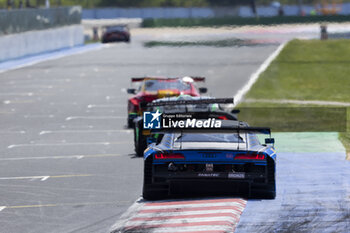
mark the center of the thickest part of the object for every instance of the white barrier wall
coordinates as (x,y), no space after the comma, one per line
(35,42)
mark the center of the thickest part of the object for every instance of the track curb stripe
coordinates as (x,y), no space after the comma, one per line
(185,216)
(218,231)
(170,225)
(192,209)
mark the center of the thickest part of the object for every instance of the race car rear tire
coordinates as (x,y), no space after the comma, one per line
(130,123)
(151,191)
(140,142)
(264,192)
(267,190)
(141,147)
(270,193)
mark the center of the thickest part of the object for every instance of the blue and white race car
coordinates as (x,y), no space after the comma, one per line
(226,160)
(199,107)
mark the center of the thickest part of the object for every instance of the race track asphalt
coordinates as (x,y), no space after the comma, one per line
(313,188)
(66,160)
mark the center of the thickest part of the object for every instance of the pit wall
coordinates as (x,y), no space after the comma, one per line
(35,42)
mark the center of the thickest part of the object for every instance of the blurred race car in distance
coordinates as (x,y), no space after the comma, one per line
(152,88)
(116,33)
(197,161)
(199,107)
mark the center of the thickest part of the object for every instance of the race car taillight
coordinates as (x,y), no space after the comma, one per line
(169,156)
(250,156)
(222,118)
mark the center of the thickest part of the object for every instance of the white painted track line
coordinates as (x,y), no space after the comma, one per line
(65,144)
(42,178)
(59,157)
(93,117)
(254,77)
(84,131)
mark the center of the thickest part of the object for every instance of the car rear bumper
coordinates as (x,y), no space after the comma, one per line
(208,183)
(208,187)
(238,176)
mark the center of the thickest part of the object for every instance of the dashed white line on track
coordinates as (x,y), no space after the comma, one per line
(63,204)
(18,102)
(38,116)
(59,157)
(66,144)
(41,178)
(106,105)
(17,94)
(13,132)
(93,117)
(84,131)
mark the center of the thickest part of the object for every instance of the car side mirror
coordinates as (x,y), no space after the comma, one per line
(131,91)
(235,111)
(269,140)
(203,90)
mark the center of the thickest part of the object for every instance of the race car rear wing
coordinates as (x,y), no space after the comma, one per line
(140,79)
(227,126)
(245,129)
(189,102)
(198,79)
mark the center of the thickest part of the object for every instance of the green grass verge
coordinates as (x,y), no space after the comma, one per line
(92,41)
(211,43)
(239,21)
(306,70)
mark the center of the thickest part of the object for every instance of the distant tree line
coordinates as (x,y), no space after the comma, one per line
(150,3)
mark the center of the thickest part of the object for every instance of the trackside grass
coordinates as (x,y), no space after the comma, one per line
(241,21)
(306,70)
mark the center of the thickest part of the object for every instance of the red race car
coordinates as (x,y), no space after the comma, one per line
(152,88)
(116,33)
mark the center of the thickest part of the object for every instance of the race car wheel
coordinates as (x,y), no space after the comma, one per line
(271,191)
(151,191)
(130,123)
(134,139)
(263,191)
(266,191)
(140,142)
